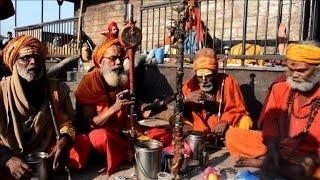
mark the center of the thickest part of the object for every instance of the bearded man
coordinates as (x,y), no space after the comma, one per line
(202,95)
(102,102)
(26,124)
(289,141)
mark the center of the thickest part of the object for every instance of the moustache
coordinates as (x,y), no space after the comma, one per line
(117,68)
(33,69)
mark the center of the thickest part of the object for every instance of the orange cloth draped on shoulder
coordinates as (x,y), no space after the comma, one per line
(107,139)
(90,90)
(233,104)
(278,126)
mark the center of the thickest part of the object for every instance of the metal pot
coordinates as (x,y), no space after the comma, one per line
(38,162)
(148,156)
(197,144)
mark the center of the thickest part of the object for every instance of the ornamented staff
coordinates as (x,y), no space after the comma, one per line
(182,10)
(130,37)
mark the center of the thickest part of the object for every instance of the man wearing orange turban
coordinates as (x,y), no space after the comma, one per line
(290,137)
(26,123)
(102,103)
(202,95)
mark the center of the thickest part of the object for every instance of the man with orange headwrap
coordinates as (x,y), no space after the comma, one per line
(26,123)
(290,137)
(202,95)
(112,30)
(102,102)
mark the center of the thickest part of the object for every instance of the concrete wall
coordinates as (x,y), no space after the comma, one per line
(154,81)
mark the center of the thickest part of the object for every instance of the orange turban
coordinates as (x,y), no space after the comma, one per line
(99,51)
(11,51)
(206,59)
(303,53)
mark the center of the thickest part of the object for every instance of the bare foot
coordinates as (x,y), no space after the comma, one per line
(248,162)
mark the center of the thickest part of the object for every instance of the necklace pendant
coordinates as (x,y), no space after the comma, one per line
(305,130)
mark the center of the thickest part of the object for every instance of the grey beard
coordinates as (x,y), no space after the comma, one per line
(304,85)
(115,79)
(29,76)
(206,87)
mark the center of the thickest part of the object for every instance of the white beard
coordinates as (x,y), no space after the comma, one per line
(304,85)
(206,87)
(115,78)
(29,75)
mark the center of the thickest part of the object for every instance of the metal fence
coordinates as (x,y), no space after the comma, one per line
(59,37)
(264,26)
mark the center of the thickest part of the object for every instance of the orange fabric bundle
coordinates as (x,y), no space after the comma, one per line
(11,51)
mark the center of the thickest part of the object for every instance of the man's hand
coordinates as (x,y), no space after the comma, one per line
(122,101)
(219,129)
(18,168)
(195,97)
(60,152)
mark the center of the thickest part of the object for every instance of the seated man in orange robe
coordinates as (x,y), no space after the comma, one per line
(289,141)
(202,95)
(99,96)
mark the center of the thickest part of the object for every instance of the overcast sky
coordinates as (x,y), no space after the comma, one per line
(29,12)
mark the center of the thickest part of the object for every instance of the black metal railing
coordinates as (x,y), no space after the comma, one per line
(243,23)
(59,37)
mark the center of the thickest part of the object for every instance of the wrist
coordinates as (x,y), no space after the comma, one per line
(67,138)
(6,155)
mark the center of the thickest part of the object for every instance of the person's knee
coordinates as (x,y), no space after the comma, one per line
(98,137)
(230,134)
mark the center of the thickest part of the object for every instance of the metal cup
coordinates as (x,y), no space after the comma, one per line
(197,144)
(38,163)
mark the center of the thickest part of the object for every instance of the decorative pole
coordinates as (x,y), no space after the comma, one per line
(130,37)
(178,158)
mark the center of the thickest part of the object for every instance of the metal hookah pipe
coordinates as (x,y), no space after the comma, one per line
(224,61)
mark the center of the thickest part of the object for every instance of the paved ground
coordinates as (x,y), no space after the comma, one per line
(217,158)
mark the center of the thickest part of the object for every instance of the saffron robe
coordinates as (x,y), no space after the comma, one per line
(233,106)
(107,139)
(277,125)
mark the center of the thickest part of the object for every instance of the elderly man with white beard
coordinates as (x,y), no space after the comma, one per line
(202,94)
(289,143)
(26,122)
(102,103)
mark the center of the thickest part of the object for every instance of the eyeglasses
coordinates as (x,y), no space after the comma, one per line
(114,58)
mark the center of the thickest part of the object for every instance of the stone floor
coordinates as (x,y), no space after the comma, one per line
(217,158)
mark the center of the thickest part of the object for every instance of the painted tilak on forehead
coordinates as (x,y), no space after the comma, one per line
(28,50)
(114,50)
